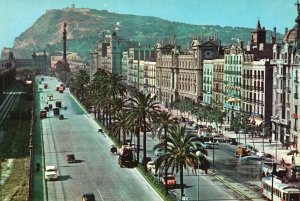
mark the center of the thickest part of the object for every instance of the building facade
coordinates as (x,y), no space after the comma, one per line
(218,83)
(108,55)
(286,87)
(179,74)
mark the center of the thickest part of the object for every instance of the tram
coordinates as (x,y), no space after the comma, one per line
(281,191)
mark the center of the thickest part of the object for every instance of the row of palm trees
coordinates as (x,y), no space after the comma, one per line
(127,112)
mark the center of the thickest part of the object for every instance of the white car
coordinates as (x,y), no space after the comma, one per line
(158,152)
(260,153)
(151,167)
(50,172)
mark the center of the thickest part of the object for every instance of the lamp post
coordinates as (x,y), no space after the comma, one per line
(198,153)
(213,154)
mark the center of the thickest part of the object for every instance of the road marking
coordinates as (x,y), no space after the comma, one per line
(100,194)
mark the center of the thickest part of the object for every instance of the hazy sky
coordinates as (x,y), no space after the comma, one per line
(18,15)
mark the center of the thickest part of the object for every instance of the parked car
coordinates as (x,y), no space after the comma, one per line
(88,197)
(171,180)
(158,152)
(50,172)
(70,158)
(61,117)
(151,167)
(206,145)
(260,153)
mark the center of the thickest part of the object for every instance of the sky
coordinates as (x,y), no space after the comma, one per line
(16,16)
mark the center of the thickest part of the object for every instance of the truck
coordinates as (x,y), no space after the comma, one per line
(125,156)
(242,151)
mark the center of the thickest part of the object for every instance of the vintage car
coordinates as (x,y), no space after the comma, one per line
(171,180)
(50,173)
(70,158)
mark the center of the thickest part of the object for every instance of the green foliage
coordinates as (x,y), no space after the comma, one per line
(85,28)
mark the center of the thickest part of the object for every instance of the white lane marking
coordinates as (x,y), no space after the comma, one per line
(100,194)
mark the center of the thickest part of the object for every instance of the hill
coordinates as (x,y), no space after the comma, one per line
(86,26)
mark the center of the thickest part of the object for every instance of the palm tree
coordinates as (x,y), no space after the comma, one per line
(180,151)
(142,112)
(119,124)
(164,120)
(113,87)
(82,79)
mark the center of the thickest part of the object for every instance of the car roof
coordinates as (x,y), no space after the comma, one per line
(50,167)
(89,195)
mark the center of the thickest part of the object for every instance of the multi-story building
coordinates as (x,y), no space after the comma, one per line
(248,78)
(125,64)
(218,83)
(208,66)
(179,74)
(257,78)
(232,79)
(285,121)
(108,55)
(141,69)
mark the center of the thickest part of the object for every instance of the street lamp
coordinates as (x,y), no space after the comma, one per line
(198,153)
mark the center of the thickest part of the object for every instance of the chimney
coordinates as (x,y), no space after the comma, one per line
(273,37)
(242,44)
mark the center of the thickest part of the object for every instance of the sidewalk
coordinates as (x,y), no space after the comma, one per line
(274,148)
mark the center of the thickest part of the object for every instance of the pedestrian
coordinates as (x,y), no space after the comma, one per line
(270,141)
(293,159)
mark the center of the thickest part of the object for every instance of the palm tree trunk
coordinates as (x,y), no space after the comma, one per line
(124,136)
(145,143)
(166,170)
(109,114)
(138,144)
(181,180)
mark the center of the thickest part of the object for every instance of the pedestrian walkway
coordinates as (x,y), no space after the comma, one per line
(273,147)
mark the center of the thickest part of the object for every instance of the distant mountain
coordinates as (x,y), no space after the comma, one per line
(86,26)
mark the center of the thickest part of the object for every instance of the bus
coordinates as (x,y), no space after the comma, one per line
(282,191)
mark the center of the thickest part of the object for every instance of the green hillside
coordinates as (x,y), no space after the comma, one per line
(85,27)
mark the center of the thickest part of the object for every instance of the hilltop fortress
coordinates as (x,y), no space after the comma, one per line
(72,8)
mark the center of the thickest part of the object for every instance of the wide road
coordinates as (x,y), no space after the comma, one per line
(231,175)
(209,188)
(95,170)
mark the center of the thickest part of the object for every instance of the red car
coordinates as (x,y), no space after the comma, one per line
(171,180)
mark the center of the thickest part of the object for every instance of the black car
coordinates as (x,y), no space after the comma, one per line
(70,158)
(88,197)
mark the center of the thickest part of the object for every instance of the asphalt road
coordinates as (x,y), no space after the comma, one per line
(209,187)
(242,174)
(96,170)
